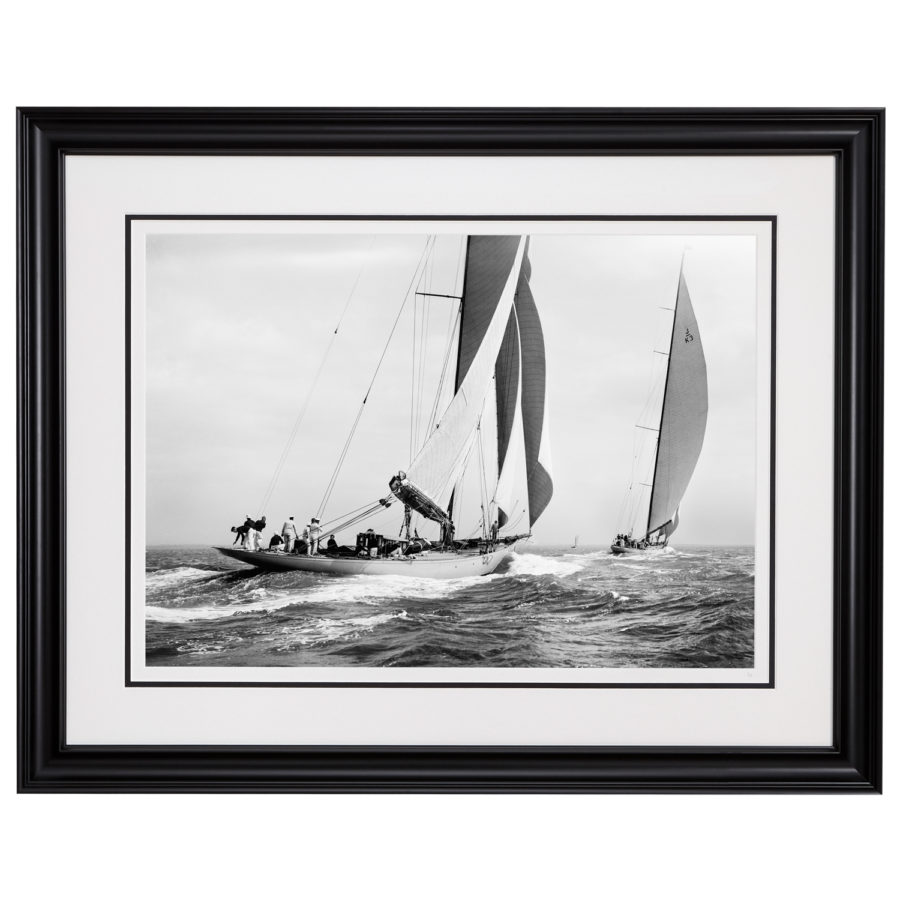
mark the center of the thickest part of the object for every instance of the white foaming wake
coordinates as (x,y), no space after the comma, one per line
(165,578)
(185,614)
(366,589)
(534,564)
(375,589)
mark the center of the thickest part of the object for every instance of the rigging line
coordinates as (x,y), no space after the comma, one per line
(412,383)
(662,411)
(471,441)
(423,343)
(432,419)
(418,340)
(428,243)
(417,355)
(282,459)
(338,526)
(459,259)
(457,502)
(457,492)
(485,501)
(353,512)
(429,304)
(474,531)
(343,455)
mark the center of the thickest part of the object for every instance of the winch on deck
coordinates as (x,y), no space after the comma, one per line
(405,491)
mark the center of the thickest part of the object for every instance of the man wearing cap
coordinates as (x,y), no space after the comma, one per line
(311,534)
(288,534)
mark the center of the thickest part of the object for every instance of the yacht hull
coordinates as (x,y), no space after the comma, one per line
(434,564)
(634,551)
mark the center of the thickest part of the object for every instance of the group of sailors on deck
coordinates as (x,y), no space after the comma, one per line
(288,540)
(626,540)
(368,543)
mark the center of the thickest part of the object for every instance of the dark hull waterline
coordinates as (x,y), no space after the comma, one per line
(434,564)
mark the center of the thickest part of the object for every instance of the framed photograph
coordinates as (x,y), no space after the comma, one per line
(450,450)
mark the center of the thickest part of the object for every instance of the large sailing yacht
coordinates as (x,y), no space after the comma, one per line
(501,376)
(679,436)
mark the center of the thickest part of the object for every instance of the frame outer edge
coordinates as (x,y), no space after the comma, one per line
(853,764)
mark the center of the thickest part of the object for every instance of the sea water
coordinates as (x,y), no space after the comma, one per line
(545,606)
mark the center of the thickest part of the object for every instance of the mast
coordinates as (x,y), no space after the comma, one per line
(456,379)
(495,287)
(662,411)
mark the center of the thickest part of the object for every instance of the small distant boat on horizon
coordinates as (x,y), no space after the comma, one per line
(575,543)
(500,381)
(679,436)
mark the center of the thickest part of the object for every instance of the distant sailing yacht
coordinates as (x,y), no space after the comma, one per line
(575,543)
(500,375)
(682,426)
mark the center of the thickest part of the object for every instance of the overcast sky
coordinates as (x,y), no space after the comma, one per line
(237,326)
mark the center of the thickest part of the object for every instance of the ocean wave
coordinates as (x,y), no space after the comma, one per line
(550,608)
(330,630)
(358,589)
(181,614)
(532,564)
(163,579)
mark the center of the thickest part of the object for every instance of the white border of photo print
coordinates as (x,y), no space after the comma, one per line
(794,709)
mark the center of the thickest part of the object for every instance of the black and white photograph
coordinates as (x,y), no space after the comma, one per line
(448,449)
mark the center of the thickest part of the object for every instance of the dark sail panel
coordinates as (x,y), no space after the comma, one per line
(489,260)
(534,388)
(506,374)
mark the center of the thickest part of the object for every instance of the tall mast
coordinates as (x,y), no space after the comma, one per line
(662,411)
(462,313)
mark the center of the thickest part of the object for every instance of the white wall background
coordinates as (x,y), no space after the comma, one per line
(463,53)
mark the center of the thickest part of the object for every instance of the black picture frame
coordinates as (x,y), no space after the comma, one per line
(852,763)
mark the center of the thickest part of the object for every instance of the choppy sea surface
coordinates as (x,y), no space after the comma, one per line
(545,606)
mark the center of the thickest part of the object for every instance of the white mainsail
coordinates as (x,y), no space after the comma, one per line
(439,464)
(682,424)
(511,497)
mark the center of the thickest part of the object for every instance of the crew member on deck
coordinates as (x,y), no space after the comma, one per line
(495,531)
(275,542)
(253,535)
(311,534)
(289,534)
(447,534)
(240,534)
(332,544)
